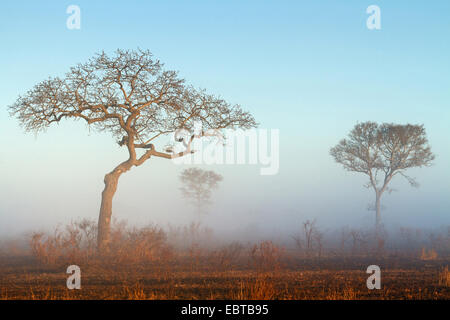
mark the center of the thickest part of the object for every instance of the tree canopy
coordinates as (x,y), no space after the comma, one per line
(384,151)
(130,95)
(197,186)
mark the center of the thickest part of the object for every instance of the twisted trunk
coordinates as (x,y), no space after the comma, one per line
(111,180)
(104,219)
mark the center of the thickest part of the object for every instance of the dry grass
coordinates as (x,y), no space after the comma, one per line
(347,293)
(25,282)
(261,288)
(237,285)
(147,263)
(444,277)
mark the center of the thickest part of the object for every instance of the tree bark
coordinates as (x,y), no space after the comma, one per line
(378,214)
(104,219)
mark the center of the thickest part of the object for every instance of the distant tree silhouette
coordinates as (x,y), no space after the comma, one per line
(197,187)
(131,96)
(382,152)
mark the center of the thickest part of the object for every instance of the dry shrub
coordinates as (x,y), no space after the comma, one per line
(191,242)
(228,255)
(45,248)
(428,254)
(187,236)
(266,256)
(360,242)
(132,245)
(76,244)
(444,277)
(195,255)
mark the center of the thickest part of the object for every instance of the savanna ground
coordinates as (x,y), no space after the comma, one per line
(188,263)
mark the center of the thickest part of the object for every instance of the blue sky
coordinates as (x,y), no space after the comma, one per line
(309,68)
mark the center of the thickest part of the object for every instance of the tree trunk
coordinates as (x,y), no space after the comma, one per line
(378,214)
(104,219)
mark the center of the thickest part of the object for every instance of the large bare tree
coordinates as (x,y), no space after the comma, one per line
(130,95)
(383,152)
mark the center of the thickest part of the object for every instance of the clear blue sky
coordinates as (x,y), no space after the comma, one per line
(309,68)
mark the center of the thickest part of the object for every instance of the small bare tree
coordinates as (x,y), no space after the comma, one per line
(131,96)
(309,236)
(198,185)
(359,241)
(385,150)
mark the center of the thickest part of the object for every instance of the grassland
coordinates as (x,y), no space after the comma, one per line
(146,264)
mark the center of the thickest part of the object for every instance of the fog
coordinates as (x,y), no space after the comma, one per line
(57,177)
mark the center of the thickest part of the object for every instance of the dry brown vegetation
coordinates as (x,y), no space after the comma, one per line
(189,263)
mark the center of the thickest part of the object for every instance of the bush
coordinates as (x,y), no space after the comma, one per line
(76,244)
(266,256)
(428,254)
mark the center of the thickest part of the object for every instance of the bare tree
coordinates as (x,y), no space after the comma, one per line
(359,241)
(309,235)
(383,152)
(130,95)
(309,228)
(198,185)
